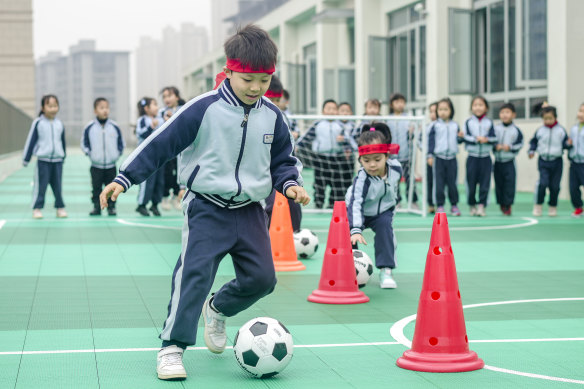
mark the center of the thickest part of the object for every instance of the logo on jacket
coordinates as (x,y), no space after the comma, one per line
(268,139)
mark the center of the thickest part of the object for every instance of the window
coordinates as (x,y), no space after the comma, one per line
(460,44)
(378,67)
(296,85)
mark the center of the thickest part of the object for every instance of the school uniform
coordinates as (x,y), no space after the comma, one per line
(171,168)
(443,146)
(46,140)
(479,165)
(549,143)
(103,143)
(576,155)
(371,202)
(152,189)
(504,169)
(232,156)
(400,134)
(429,169)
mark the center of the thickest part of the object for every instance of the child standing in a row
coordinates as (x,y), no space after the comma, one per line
(576,155)
(46,140)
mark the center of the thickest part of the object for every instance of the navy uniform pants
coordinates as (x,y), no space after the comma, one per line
(48,173)
(550,175)
(478,173)
(576,181)
(505,182)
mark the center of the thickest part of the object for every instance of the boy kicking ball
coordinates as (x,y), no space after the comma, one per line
(235,147)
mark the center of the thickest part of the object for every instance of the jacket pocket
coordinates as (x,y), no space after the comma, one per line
(193,175)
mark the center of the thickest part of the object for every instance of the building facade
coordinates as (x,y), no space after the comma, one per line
(80,77)
(16,54)
(522,51)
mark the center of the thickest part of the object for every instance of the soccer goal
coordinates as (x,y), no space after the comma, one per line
(331,161)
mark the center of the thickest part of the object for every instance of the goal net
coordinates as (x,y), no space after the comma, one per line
(327,147)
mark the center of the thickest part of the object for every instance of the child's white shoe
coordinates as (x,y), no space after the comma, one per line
(37,214)
(481,210)
(165,204)
(61,213)
(215,337)
(473,210)
(386,280)
(537,211)
(553,211)
(169,364)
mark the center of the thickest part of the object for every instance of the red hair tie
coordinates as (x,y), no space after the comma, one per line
(234,64)
(219,78)
(271,94)
(378,148)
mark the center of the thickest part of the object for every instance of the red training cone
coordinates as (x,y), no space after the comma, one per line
(282,238)
(440,343)
(338,279)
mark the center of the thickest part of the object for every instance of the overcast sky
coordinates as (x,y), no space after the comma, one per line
(113,24)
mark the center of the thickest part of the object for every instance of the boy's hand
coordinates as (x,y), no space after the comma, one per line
(357,238)
(569,142)
(298,194)
(113,190)
(507,148)
(460,134)
(340,138)
(498,147)
(430,161)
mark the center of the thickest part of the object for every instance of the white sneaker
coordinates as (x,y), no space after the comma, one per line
(61,213)
(481,210)
(473,210)
(386,280)
(215,337)
(169,364)
(415,207)
(537,211)
(553,211)
(37,214)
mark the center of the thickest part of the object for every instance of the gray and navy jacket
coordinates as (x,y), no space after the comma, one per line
(325,138)
(400,134)
(549,142)
(372,195)
(232,154)
(475,127)
(144,127)
(576,153)
(103,144)
(443,139)
(46,140)
(292,125)
(508,134)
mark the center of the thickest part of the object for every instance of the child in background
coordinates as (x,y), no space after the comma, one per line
(576,155)
(479,137)
(509,142)
(152,189)
(173,102)
(549,141)
(46,140)
(429,176)
(443,141)
(103,143)
(345,109)
(372,108)
(401,133)
(372,198)
(283,105)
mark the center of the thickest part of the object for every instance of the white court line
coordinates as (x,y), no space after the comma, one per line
(331,345)
(2,222)
(397,332)
(128,223)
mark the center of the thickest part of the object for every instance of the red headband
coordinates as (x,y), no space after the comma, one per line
(219,78)
(234,64)
(271,94)
(378,148)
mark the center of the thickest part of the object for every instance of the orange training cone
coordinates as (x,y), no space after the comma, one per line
(440,342)
(338,279)
(281,236)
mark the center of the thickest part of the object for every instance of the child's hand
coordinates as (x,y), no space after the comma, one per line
(569,142)
(506,147)
(295,134)
(482,139)
(112,190)
(460,134)
(167,114)
(154,123)
(531,155)
(430,161)
(357,238)
(498,147)
(340,138)
(298,194)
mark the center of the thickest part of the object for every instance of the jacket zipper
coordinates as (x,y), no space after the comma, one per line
(104,155)
(52,141)
(244,126)
(550,143)
(384,193)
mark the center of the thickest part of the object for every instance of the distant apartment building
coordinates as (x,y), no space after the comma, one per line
(80,77)
(16,54)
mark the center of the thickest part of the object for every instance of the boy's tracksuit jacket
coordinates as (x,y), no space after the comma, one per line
(576,153)
(46,140)
(443,140)
(103,144)
(229,165)
(400,134)
(508,135)
(549,142)
(475,127)
(144,127)
(371,196)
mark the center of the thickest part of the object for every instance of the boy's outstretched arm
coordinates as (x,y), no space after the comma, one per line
(112,190)
(298,194)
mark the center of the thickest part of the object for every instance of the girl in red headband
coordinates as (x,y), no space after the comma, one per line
(372,198)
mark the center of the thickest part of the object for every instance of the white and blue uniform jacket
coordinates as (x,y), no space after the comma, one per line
(443,139)
(508,135)
(549,142)
(576,153)
(103,144)
(46,140)
(475,127)
(400,134)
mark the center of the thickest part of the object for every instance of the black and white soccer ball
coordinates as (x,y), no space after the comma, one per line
(263,347)
(363,267)
(305,243)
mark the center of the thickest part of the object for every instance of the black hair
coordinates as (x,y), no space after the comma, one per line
(479,97)
(374,102)
(276,85)
(142,104)
(381,134)
(549,109)
(174,91)
(346,103)
(509,106)
(253,47)
(329,101)
(394,97)
(450,105)
(99,100)
(45,100)
(285,94)
(433,103)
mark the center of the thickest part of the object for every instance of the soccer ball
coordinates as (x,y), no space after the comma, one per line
(305,243)
(263,347)
(363,267)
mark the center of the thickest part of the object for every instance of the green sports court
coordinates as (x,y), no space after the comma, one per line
(82,300)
